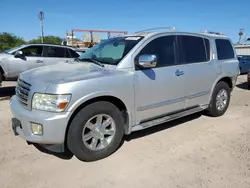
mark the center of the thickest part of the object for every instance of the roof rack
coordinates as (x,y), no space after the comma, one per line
(212,32)
(157,29)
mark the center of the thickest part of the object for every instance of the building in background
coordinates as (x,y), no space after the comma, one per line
(242,49)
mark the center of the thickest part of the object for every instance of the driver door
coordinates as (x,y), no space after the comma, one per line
(159,90)
(32,57)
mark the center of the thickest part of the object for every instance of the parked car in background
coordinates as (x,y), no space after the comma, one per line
(80,51)
(19,59)
(244,63)
(121,85)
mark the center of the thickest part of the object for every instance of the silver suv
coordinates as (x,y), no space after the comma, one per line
(17,60)
(122,85)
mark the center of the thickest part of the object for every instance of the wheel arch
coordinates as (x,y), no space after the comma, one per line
(108,98)
(2,70)
(225,79)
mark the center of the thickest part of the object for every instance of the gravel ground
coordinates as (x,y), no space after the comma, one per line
(196,151)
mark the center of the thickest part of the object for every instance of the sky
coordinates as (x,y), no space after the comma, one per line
(20,17)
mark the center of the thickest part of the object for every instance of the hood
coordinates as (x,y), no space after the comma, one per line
(63,73)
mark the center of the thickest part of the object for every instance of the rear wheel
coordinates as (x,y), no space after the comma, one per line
(220,100)
(96,131)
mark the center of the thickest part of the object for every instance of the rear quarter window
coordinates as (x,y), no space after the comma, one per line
(224,49)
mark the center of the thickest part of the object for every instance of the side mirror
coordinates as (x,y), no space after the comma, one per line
(18,54)
(147,61)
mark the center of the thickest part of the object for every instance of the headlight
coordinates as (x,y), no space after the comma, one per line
(47,102)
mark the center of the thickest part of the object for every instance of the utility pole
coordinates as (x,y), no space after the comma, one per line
(241,33)
(41,17)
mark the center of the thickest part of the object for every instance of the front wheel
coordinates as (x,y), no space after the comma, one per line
(220,100)
(96,131)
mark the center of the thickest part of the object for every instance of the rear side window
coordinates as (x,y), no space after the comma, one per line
(56,52)
(194,49)
(68,54)
(73,54)
(224,49)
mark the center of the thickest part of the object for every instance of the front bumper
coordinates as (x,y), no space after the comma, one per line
(54,124)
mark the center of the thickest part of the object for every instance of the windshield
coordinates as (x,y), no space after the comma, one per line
(13,49)
(111,51)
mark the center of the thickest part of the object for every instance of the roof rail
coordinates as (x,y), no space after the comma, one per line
(157,28)
(212,32)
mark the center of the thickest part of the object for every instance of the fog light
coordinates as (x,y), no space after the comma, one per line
(37,129)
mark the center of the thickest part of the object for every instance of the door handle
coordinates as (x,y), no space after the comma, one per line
(179,73)
(39,61)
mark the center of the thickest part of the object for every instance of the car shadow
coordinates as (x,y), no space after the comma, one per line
(7,91)
(243,85)
(67,155)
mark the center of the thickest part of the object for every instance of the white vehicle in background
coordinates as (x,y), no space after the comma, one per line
(25,57)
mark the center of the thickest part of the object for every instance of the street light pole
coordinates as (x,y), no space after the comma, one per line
(41,17)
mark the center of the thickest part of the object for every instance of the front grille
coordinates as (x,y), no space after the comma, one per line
(22,91)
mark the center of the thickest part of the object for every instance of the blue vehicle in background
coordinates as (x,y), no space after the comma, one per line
(244,63)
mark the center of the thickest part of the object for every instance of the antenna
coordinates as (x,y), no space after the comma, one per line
(41,17)
(157,29)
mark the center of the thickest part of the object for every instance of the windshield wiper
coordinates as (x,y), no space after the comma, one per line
(90,60)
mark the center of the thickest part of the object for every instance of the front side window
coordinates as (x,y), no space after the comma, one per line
(224,49)
(194,49)
(163,48)
(111,51)
(32,51)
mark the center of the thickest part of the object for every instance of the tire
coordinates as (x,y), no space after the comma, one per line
(213,109)
(80,148)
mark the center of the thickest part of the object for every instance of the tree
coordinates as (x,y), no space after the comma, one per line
(9,40)
(47,39)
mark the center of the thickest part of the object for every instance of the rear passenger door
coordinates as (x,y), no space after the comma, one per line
(56,55)
(198,67)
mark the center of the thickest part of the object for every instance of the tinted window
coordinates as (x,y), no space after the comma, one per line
(68,54)
(33,51)
(73,53)
(56,52)
(193,49)
(224,49)
(163,48)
